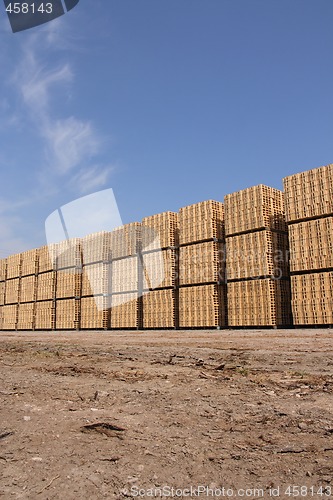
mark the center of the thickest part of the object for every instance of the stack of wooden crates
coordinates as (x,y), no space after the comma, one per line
(202,287)
(160,268)
(257,258)
(309,213)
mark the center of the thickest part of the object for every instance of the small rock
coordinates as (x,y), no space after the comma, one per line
(308,473)
(302,425)
(26,418)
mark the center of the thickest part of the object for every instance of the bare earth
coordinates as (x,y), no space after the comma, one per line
(90,415)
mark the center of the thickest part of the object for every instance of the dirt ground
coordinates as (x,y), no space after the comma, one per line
(90,415)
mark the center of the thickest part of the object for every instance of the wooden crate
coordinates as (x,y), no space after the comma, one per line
(12,291)
(68,253)
(95,313)
(96,279)
(2,292)
(259,302)
(29,264)
(159,268)
(46,286)
(68,314)
(14,266)
(125,275)
(125,240)
(9,317)
(160,231)
(202,263)
(96,247)
(3,269)
(68,283)
(312,298)
(309,193)
(202,306)
(45,315)
(26,316)
(311,244)
(47,258)
(201,221)
(159,309)
(259,253)
(28,289)
(254,208)
(125,311)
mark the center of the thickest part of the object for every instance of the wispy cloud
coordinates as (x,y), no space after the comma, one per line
(70,143)
(41,79)
(92,178)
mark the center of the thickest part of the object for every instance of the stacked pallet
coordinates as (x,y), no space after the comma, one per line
(125,275)
(68,254)
(96,248)
(46,286)
(257,258)
(28,289)
(202,289)
(26,316)
(159,309)
(68,283)
(95,313)
(125,311)
(45,315)
(309,213)
(9,317)
(3,269)
(202,306)
(29,262)
(12,291)
(159,259)
(96,279)
(14,266)
(124,240)
(67,314)
(160,231)
(47,258)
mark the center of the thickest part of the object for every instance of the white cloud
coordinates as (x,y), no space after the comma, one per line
(91,178)
(70,142)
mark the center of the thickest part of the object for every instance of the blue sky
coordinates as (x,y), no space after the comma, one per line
(168,102)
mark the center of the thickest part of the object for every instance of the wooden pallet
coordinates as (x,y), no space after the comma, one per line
(159,309)
(68,283)
(68,253)
(258,253)
(46,285)
(259,302)
(125,310)
(26,316)
(12,291)
(95,313)
(201,263)
(202,306)
(45,315)
(125,240)
(253,208)
(160,231)
(28,289)
(309,194)
(312,298)
(96,279)
(14,266)
(68,314)
(201,221)
(159,268)
(9,317)
(96,247)
(29,263)
(3,269)
(125,275)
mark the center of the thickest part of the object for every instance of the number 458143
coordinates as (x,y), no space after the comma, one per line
(29,8)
